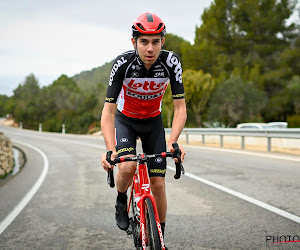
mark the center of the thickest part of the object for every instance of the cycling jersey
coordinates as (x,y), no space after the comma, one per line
(137,91)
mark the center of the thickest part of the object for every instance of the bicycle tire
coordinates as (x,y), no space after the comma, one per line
(152,231)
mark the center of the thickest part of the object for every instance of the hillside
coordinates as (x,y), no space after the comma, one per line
(88,80)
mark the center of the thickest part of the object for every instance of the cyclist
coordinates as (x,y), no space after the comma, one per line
(132,109)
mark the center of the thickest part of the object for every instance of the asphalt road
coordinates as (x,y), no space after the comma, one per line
(226,200)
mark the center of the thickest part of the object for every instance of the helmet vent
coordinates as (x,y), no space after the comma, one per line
(159,26)
(149,17)
(140,26)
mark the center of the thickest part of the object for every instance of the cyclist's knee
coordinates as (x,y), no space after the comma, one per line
(127,168)
(157,184)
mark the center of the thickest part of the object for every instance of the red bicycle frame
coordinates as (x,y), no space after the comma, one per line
(141,185)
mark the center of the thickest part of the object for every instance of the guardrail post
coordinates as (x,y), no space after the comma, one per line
(203,139)
(40,127)
(21,125)
(221,141)
(269,144)
(63,129)
(187,138)
(243,142)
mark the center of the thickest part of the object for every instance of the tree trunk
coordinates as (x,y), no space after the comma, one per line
(198,120)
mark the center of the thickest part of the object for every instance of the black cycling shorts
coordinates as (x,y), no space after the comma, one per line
(152,134)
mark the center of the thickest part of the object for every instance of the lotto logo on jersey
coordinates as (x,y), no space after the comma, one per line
(173,61)
(145,85)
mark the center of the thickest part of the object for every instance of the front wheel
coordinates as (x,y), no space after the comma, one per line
(152,231)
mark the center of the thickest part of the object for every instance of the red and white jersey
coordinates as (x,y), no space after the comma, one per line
(138,91)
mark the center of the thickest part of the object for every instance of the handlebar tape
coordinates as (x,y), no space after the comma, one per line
(179,167)
(110,172)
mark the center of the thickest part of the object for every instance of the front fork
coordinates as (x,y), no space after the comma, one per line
(142,191)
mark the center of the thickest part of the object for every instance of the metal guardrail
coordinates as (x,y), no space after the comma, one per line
(289,133)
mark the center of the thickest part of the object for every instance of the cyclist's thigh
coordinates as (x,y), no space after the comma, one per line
(125,138)
(154,142)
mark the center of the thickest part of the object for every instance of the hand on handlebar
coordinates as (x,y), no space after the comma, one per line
(178,156)
(105,164)
(172,150)
(106,159)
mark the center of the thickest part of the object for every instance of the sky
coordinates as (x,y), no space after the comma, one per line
(51,38)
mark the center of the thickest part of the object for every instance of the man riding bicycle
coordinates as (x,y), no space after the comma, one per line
(132,110)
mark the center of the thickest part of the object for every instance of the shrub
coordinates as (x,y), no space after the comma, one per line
(293,121)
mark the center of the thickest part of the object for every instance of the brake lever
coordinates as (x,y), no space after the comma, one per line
(179,166)
(182,169)
(110,172)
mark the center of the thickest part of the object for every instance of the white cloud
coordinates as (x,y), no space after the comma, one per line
(53,47)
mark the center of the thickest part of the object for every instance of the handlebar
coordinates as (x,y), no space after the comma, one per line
(110,172)
(142,158)
(179,167)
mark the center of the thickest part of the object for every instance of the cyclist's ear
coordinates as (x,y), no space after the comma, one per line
(162,41)
(133,40)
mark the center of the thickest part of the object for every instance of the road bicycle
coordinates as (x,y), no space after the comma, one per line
(144,223)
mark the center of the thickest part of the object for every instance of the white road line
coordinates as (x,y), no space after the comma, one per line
(243,197)
(19,207)
(63,140)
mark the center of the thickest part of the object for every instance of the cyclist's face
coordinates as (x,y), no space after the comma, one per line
(148,47)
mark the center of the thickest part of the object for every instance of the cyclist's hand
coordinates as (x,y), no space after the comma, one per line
(104,162)
(171,149)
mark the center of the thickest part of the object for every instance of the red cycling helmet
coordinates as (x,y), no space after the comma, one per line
(148,24)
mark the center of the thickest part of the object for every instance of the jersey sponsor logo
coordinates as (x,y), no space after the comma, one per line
(124,140)
(159,160)
(158,171)
(136,67)
(179,95)
(134,74)
(125,150)
(107,99)
(159,74)
(145,97)
(152,85)
(115,68)
(173,61)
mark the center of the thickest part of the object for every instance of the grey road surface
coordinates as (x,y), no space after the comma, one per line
(74,207)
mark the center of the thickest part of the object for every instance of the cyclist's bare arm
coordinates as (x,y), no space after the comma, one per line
(178,124)
(108,130)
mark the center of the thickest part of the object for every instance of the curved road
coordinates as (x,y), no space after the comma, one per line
(227,199)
